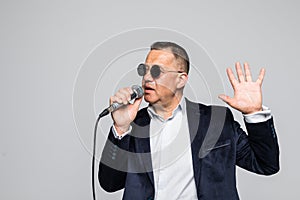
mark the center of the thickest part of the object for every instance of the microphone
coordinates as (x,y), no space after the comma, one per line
(137,93)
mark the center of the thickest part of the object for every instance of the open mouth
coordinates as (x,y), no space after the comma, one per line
(147,88)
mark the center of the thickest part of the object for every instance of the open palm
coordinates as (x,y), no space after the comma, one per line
(247,93)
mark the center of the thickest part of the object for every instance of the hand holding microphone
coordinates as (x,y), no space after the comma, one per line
(122,112)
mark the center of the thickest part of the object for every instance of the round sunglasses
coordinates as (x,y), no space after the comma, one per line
(155,70)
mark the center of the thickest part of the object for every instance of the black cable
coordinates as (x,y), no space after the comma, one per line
(94,155)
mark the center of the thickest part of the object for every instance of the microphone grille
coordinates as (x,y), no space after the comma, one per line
(138,90)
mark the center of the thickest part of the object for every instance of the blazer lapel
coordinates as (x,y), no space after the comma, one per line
(141,133)
(198,121)
(205,127)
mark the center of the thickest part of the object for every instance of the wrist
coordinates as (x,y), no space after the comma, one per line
(121,129)
(249,112)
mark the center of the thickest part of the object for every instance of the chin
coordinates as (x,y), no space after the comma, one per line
(150,99)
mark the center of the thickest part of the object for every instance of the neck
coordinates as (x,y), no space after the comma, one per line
(166,109)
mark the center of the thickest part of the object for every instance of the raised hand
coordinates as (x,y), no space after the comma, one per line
(247,93)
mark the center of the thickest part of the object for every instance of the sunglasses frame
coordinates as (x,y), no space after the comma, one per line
(155,72)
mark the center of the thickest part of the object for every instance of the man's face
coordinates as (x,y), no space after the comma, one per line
(163,89)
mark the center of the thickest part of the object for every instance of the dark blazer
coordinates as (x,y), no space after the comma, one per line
(218,144)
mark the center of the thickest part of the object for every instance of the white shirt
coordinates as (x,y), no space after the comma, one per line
(172,155)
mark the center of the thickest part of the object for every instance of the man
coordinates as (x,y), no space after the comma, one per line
(177,149)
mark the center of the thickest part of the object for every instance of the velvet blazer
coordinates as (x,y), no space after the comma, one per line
(218,145)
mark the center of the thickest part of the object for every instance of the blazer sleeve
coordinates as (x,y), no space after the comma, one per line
(258,151)
(113,164)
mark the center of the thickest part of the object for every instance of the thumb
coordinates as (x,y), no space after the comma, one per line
(225,98)
(136,104)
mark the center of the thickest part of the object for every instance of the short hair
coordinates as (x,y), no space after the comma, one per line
(178,51)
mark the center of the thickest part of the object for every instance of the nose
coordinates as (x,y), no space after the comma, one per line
(147,77)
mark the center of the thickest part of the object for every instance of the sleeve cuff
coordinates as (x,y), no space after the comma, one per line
(117,136)
(260,116)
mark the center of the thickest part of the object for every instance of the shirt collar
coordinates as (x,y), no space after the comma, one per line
(181,107)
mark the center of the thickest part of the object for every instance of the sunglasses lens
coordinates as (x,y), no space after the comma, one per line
(155,71)
(141,70)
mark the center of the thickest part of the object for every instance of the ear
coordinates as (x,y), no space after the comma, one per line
(182,80)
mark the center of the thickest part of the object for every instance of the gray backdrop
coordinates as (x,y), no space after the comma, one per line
(45,46)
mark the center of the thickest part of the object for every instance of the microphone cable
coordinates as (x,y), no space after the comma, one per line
(104,113)
(94,155)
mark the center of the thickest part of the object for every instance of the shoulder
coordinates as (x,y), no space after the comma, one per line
(208,109)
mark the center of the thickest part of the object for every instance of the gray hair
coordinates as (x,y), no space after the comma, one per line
(178,51)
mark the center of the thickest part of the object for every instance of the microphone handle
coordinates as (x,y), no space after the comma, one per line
(115,106)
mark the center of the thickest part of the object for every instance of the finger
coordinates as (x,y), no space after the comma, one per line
(133,108)
(126,92)
(115,99)
(136,103)
(247,72)
(225,98)
(123,97)
(261,76)
(239,72)
(231,77)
